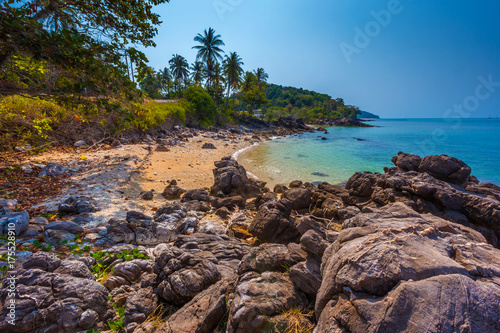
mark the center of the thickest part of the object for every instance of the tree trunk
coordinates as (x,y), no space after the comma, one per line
(227,97)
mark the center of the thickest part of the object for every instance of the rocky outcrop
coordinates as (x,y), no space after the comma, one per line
(431,188)
(203,313)
(258,298)
(388,267)
(55,296)
(170,220)
(274,224)
(182,274)
(230,179)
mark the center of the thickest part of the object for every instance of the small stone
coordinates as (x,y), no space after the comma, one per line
(53,169)
(26,168)
(208,145)
(80,143)
(147,195)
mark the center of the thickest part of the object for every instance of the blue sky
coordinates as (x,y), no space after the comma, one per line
(419,59)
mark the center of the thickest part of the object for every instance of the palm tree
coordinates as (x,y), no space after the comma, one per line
(197,72)
(164,79)
(233,71)
(209,51)
(180,69)
(248,82)
(262,77)
(217,75)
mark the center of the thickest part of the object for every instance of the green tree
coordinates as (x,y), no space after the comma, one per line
(180,70)
(86,39)
(233,71)
(197,72)
(165,80)
(261,76)
(202,104)
(151,85)
(209,51)
(248,82)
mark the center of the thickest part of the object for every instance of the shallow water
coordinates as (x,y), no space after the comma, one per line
(347,150)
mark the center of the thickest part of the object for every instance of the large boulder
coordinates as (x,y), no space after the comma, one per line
(385,265)
(407,162)
(259,298)
(299,197)
(50,299)
(266,257)
(432,189)
(273,223)
(16,222)
(202,314)
(447,168)
(182,274)
(230,179)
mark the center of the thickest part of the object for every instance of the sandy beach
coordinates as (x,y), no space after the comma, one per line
(117,176)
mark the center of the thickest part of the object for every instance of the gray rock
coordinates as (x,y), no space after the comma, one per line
(273,223)
(230,179)
(17,222)
(128,273)
(447,168)
(306,276)
(266,257)
(172,191)
(202,314)
(80,143)
(78,205)
(53,169)
(139,306)
(33,231)
(299,197)
(388,267)
(55,237)
(147,195)
(260,297)
(68,226)
(39,220)
(314,242)
(47,301)
(26,168)
(8,203)
(208,145)
(184,274)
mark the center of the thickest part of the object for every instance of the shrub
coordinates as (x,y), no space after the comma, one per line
(202,107)
(28,120)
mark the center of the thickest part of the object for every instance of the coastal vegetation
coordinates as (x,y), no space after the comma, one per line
(68,69)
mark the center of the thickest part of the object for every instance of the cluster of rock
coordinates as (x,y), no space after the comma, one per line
(413,249)
(342,122)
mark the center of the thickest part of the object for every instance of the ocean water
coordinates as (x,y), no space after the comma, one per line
(347,150)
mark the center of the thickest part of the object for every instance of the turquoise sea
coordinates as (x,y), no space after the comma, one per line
(347,150)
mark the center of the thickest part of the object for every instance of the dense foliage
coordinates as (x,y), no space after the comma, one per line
(77,46)
(306,104)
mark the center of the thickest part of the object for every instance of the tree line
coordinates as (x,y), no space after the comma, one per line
(221,75)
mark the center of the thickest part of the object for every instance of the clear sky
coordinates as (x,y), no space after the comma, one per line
(404,59)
